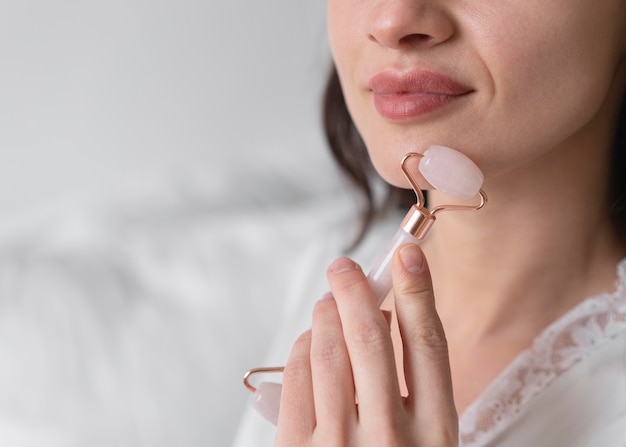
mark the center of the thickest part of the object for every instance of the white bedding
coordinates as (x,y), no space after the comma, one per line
(131,322)
(127,318)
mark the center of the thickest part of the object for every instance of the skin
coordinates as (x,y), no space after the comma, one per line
(520,58)
(546,80)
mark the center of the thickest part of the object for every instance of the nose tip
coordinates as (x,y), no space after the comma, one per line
(399,23)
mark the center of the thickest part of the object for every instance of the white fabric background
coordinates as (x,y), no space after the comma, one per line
(92,92)
(161,168)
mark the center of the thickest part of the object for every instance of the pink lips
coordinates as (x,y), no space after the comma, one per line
(410,95)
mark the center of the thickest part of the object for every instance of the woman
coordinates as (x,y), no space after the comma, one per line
(527,343)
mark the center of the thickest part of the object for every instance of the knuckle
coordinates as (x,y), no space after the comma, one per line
(416,289)
(328,352)
(349,286)
(370,335)
(430,338)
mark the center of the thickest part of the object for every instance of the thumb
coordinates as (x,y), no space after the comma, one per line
(426,362)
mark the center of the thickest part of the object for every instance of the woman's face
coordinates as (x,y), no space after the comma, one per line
(502,81)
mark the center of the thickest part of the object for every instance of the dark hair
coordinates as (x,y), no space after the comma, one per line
(617,179)
(350,152)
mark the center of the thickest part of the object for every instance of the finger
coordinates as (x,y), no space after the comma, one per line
(333,387)
(368,341)
(426,362)
(296,419)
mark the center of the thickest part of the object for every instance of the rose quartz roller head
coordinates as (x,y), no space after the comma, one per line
(448,171)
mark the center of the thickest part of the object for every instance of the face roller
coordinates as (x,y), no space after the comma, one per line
(448,171)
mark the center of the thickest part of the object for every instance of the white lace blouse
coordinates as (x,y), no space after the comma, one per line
(568,389)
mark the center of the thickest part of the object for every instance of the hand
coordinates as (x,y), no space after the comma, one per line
(340,385)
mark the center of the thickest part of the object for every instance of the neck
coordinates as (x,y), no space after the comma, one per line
(542,244)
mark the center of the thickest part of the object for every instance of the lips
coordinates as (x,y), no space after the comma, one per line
(411,95)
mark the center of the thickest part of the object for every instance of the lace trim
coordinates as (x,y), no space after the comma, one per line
(558,348)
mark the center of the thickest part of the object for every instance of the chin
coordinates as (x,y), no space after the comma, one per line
(389,168)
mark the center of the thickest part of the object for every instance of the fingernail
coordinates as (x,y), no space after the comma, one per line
(343,265)
(412,258)
(266,400)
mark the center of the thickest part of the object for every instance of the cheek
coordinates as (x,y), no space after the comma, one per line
(547,82)
(344,29)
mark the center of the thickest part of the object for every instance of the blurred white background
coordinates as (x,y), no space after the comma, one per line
(91,92)
(160,162)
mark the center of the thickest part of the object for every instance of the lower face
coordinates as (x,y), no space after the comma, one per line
(528,76)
